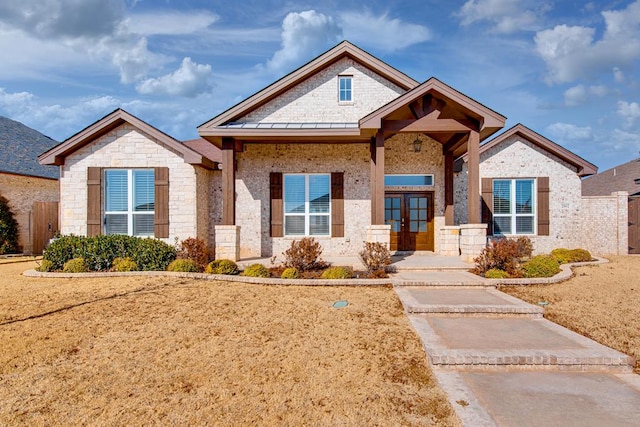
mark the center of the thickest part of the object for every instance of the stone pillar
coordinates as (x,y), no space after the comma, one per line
(380,234)
(473,238)
(622,221)
(228,242)
(449,240)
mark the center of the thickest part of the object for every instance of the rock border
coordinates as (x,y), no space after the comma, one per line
(217,277)
(566,273)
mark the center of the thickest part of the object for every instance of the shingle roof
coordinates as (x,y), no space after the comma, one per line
(19,149)
(618,178)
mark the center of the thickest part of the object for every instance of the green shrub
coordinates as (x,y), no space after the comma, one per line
(580,255)
(337,273)
(375,257)
(45,265)
(124,264)
(8,229)
(100,251)
(222,266)
(494,273)
(541,266)
(290,273)
(561,255)
(184,266)
(304,254)
(256,270)
(75,265)
(196,250)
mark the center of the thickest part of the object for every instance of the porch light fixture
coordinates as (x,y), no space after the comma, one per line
(417,145)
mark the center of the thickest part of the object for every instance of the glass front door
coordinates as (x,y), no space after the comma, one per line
(411,218)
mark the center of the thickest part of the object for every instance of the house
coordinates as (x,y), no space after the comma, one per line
(625,177)
(346,149)
(30,188)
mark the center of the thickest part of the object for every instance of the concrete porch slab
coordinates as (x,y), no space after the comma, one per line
(543,398)
(466,301)
(515,343)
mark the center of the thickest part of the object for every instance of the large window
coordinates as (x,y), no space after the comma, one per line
(345,93)
(129,202)
(307,204)
(513,206)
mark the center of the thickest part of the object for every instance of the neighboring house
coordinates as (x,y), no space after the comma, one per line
(626,178)
(346,149)
(29,186)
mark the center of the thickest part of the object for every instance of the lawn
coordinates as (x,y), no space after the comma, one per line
(601,302)
(160,351)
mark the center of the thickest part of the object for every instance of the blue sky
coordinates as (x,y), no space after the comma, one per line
(568,69)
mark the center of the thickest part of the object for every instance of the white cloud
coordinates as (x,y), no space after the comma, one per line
(630,111)
(627,142)
(387,34)
(189,80)
(506,16)
(170,22)
(618,75)
(578,95)
(304,34)
(569,132)
(570,52)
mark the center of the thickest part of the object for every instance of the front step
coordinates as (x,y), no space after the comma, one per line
(512,344)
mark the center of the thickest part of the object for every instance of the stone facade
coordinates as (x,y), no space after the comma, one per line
(22,191)
(602,226)
(516,157)
(315,100)
(252,193)
(128,147)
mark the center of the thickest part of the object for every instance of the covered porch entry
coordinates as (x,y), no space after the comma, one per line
(416,219)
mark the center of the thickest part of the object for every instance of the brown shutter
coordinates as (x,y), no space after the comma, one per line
(94,201)
(161,207)
(487,204)
(277,215)
(543,206)
(337,204)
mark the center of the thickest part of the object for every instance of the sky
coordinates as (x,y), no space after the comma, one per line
(568,69)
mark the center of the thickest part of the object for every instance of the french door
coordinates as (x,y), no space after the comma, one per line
(411,218)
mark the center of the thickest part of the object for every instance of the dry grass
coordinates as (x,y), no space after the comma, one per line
(600,302)
(150,351)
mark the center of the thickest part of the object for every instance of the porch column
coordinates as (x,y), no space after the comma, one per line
(228,182)
(473,178)
(448,187)
(377,179)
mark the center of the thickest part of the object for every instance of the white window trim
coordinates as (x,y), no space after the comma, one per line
(346,76)
(512,207)
(130,212)
(306,213)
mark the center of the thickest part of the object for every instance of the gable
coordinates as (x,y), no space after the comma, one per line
(315,100)
(619,178)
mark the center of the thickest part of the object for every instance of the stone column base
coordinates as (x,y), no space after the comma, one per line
(380,234)
(473,239)
(449,240)
(228,242)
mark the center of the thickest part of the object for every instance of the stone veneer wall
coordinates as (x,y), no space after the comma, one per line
(400,158)
(22,191)
(316,98)
(128,147)
(602,225)
(214,214)
(519,158)
(252,192)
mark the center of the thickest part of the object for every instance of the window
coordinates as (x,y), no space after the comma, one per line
(307,204)
(129,202)
(345,93)
(407,180)
(513,206)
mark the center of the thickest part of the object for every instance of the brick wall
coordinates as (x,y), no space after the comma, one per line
(602,225)
(316,98)
(21,191)
(127,147)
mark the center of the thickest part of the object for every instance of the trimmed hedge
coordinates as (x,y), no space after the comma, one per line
(99,252)
(290,273)
(75,265)
(494,273)
(222,266)
(564,256)
(184,266)
(541,266)
(256,270)
(337,273)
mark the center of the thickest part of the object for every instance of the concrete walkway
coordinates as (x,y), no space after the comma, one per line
(502,364)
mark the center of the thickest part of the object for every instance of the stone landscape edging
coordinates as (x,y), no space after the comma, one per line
(216,277)
(566,273)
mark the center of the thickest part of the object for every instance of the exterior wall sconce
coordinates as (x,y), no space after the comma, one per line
(417,145)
